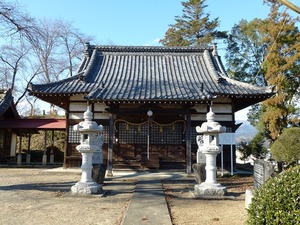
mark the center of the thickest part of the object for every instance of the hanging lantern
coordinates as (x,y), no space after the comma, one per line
(149,113)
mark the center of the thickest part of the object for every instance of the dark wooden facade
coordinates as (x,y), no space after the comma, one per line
(7,136)
(122,83)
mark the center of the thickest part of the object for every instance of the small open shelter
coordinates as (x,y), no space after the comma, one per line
(13,126)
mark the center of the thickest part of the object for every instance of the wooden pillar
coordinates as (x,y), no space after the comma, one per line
(13,146)
(28,153)
(19,158)
(188,144)
(110,146)
(52,145)
(44,161)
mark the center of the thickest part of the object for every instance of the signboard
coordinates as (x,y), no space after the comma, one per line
(262,172)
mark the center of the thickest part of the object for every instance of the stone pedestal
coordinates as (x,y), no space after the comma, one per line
(19,159)
(86,185)
(99,168)
(248,197)
(28,158)
(52,159)
(86,188)
(199,172)
(44,160)
(211,167)
(206,189)
(98,173)
(210,187)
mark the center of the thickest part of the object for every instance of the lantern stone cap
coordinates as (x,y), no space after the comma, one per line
(211,126)
(88,115)
(88,125)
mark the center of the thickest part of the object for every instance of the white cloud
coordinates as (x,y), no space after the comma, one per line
(153,42)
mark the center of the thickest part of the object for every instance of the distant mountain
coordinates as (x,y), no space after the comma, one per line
(245,132)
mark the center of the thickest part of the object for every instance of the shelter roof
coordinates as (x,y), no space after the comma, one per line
(147,73)
(37,124)
(7,107)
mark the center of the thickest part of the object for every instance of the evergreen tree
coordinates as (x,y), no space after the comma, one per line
(276,41)
(246,51)
(193,28)
(282,66)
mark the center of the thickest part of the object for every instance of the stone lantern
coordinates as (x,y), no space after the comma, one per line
(89,144)
(210,148)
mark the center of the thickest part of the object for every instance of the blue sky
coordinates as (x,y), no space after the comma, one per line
(139,22)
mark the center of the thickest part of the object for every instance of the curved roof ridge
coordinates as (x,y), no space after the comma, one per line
(83,64)
(89,71)
(220,65)
(163,49)
(207,58)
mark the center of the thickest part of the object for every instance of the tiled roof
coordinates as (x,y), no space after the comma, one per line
(6,103)
(130,73)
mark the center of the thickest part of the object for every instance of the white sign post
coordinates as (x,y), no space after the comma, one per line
(227,139)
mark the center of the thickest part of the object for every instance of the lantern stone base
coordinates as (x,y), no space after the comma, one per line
(86,188)
(207,189)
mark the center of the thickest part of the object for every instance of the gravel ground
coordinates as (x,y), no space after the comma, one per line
(36,196)
(187,210)
(31,196)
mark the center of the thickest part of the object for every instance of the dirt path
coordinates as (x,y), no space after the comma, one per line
(30,196)
(186,210)
(33,196)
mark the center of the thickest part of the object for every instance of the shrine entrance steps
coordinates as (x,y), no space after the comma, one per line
(137,165)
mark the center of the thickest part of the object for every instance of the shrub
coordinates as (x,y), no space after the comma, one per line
(286,148)
(278,200)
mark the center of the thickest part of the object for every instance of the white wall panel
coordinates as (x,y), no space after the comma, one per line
(200,108)
(196,117)
(99,107)
(101,115)
(77,98)
(76,116)
(78,106)
(222,108)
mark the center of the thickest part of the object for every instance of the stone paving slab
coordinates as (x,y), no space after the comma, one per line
(148,205)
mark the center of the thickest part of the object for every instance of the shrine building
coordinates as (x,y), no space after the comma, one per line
(149,101)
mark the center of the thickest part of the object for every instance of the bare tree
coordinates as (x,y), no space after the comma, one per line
(12,59)
(57,46)
(14,19)
(50,48)
(72,44)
